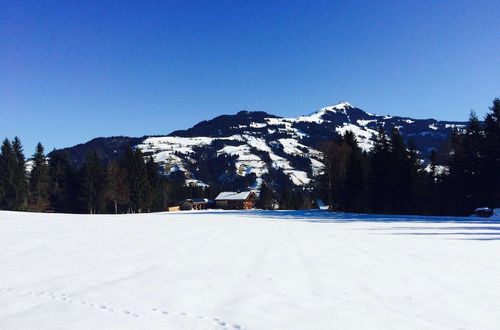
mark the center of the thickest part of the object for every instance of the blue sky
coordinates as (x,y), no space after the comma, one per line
(74,70)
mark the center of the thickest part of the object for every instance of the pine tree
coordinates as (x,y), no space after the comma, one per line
(63,187)
(490,173)
(265,201)
(39,182)
(356,184)
(473,142)
(137,179)
(337,154)
(432,182)
(7,177)
(92,182)
(20,177)
(380,173)
(398,181)
(153,190)
(416,181)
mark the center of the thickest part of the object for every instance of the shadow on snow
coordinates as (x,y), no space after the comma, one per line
(469,225)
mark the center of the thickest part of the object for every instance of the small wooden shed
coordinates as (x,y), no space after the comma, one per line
(196,204)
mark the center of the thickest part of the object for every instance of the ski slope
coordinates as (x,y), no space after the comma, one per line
(248,270)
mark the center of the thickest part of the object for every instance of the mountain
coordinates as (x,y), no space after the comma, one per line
(239,151)
(108,148)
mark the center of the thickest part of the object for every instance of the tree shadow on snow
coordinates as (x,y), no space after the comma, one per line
(467,226)
(323,216)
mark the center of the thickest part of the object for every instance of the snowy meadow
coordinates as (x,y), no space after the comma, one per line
(248,270)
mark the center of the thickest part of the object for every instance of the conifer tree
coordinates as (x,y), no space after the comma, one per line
(398,181)
(473,142)
(490,173)
(63,183)
(336,159)
(7,177)
(153,189)
(133,163)
(380,172)
(416,181)
(356,194)
(39,182)
(20,179)
(265,201)
(92,184)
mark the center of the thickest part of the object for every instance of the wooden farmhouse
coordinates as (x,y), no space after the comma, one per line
(230,200)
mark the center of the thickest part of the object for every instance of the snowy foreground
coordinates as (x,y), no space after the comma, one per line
(248,270)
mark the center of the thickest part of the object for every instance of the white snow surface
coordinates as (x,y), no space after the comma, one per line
(248,270)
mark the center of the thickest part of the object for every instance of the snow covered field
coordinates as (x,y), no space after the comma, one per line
(248,270)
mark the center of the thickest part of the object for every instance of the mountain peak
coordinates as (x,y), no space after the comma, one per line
(338,106)
(318,115)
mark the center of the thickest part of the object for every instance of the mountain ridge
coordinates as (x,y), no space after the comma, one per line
(241,150)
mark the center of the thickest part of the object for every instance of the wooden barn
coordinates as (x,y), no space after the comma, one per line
(196,204)
(230,200)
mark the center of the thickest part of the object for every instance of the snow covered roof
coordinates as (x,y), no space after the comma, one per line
(231,195)
(199,200)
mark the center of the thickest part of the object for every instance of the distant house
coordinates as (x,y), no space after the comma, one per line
(174,208)
(230,200)
(196,204)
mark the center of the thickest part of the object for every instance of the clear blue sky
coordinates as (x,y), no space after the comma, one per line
(74,70)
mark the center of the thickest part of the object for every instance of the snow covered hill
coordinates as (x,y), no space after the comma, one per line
(248,270)
(241,149)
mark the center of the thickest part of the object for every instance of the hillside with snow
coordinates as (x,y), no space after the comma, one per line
(240,150)
(248,270)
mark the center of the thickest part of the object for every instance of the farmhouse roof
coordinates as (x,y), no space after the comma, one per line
(232,195)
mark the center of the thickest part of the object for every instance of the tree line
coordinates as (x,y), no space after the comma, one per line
(132,185)
(392,178)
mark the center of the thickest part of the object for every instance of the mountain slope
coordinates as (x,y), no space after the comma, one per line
(239,151)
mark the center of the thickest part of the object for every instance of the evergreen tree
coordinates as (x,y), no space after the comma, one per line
(20,179)
(380,173)
(398,180)
(153,196)
(39,182)
(490,173)
(63,183)
(473,142)
(92,180)
(355,192)
(337,154)
(133,163)
(266,201)
(416,181)
(432,197)
(7,177)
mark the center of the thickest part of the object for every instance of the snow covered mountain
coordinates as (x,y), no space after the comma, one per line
(239,151)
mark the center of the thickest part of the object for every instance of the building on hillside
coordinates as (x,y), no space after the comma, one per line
(196,204)
(230,200)
(174,208)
